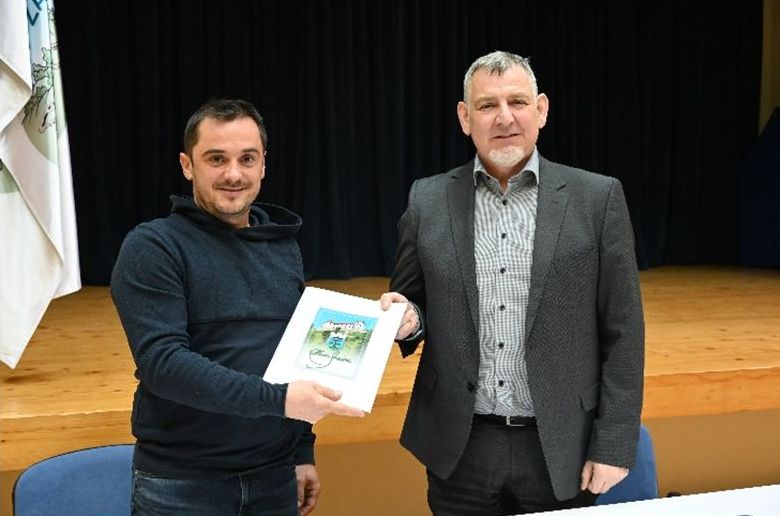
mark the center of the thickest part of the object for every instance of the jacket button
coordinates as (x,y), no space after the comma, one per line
(471,387)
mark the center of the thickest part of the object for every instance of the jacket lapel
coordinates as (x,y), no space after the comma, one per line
(460,200)
(550,210)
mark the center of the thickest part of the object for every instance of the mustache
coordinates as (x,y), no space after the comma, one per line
(232,184)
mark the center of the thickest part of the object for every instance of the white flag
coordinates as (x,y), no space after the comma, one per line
(38,246)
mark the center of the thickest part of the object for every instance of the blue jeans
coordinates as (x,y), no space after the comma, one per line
(270,491)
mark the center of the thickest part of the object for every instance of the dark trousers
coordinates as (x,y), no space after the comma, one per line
(270,491)
(502,471)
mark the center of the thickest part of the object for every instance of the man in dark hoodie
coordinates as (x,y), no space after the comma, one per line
(204,296)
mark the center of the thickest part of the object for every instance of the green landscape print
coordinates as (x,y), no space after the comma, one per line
(336,342)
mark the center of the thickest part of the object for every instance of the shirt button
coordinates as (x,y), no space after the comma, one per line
(501,383)
(500,345)
(504,202)
(502,270)
(470,386)
(503,235)
(501,308)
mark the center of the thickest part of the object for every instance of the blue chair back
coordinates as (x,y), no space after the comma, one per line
(89,482)
(642,480)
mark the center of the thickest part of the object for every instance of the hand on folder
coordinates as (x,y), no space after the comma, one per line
(310,402)
(410,323)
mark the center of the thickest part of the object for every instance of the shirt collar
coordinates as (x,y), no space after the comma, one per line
(532,165)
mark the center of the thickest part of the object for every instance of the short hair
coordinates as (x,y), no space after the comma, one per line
(224,110)
(498,62)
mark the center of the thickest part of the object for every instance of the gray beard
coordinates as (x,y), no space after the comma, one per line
(507,156)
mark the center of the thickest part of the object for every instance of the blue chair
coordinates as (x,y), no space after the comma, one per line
(89,482)
(642,480)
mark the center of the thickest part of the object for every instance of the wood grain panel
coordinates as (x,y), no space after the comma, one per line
(713,347)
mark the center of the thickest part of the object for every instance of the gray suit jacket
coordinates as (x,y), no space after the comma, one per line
(585,329)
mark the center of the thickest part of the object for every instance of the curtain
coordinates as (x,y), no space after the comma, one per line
(359,100)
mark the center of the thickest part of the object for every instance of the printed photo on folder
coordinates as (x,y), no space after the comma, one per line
(337,340)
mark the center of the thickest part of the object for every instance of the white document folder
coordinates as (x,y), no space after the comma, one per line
(337,340)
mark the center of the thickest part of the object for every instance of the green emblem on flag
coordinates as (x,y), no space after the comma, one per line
(44,113)
(7,183)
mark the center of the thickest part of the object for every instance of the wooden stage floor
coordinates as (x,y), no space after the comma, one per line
(713,347)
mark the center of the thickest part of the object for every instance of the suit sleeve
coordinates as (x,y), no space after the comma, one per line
(621,333)
(407,276)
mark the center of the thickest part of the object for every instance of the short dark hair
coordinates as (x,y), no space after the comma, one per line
(224,110)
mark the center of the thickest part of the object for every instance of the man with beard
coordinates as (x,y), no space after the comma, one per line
(523,274)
